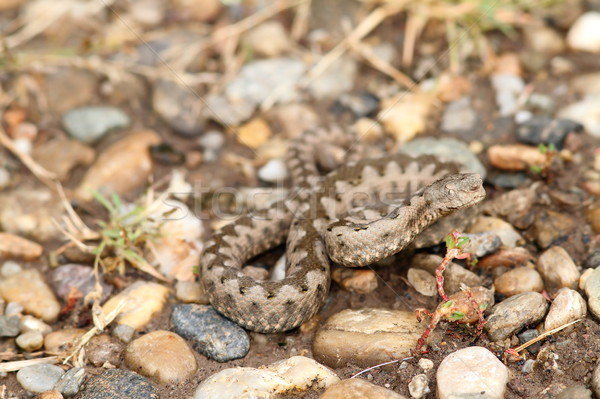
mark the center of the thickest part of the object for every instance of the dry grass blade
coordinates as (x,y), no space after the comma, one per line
(380,365)
(544,335)
(19,364)
(381,65)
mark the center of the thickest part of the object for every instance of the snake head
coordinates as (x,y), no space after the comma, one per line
(454,192)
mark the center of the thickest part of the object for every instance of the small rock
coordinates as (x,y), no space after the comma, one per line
(356,388)
(191,292)
(508,88)
(527,336)
(584,276)
(9,326)
(515,157)
(53,394)
(593,259)
(568,306)
(268,39)
(39,377)
(361,104)
(518,281)
(178,106)
(542,39)
(359,281)
(295,118)
(163,356)
(584,35)
(71,276)
(482,244)
(446,149)
(296,374)
(592,290)
(585,112)
(62,340)
(512,314)
(550,226)
(131,154)
(459,115)
(102,349)
(5,178)
(30,290)
(471,372)
(528,366)
(189,8)
(60,156)
(89,124)
(592,215)
(70,383)
(366,337)
(118,384)
(418,387)
(454,276)
(596,379)
(508,235)
(274,171)
(337,79)
(558,269)
(30,341)
(425,364)
(405,115)
(422,281)
(59,84)
(12,246)
(210,333)
(228,112)
(512,203)
(142,301)
(545,130)
(577,391)
(588,83)
(254,133)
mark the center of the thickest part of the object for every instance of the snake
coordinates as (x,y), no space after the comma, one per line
(359,213)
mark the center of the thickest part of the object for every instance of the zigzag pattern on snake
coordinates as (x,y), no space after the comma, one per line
(321,222)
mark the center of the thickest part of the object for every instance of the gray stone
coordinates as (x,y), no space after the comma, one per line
(70,383)
(577,391)
(545,130)
(210,333)
(514,313)
(118,384)
(9,326)
(482,244)
(80,277)
(459,116)
(337,79)
(89,124)
(39,377)
(179,107)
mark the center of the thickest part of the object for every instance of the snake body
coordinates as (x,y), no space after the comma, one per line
(356,215)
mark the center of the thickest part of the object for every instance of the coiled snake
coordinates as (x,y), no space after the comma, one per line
(321,222)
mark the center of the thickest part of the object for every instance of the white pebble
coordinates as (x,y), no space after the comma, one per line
(30,341)
(23,145)
(39,377)
(4,178)
(419,386)
(10,268)
(584,35)
(425,364)
(273,171)
(13,309)
(213,140)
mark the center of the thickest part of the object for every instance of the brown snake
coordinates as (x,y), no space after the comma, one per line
(320,222)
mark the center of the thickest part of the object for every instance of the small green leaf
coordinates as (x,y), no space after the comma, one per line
(462,241)
(196,269)
(457,315)
(102,200)
(450,241)
(112,233)
(117,200)
(483,306)
(447,304)
(536,169)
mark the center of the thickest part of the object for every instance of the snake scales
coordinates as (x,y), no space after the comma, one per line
(320,221)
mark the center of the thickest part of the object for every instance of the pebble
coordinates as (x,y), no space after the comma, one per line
(103,350)
(446,149)
(178,106)
(577,391)
(59,84)
(142,301)
(422,281)
(361,104)
(30,212)
(366,337)
(294,375)
(405,115)
(336,80)
(273,171)
(585,112)
(262,79)
(358,281)
(70,383)
(189,8)
(357,388)
(588,83)
(210,333)
(53,394)
(528,366)
(550,226)
(515,157)
(118,384)
(29,289)
(558,269)
(9,326)
(584,35)
(593,259)
(162,356)
(212,142)
(508,235)
(425,364)
(62,340)
(519,280)
(584,276)
(592,290)
(545,130)
(228,112)
(254,133)
(455,276)
(508,88)
(5,178)
(90,124)
(459,115)
(511,315)
(60,156)
(512,203)
(13,246)
(482,244)
(295,118)
(596,380)
(72,276)
(592,215)
(471,372)
(30,341)
(528,335)
(568,306)
(418,387)
(542,39)
(39,377)
(191,292)
(268,39)
(130,153)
